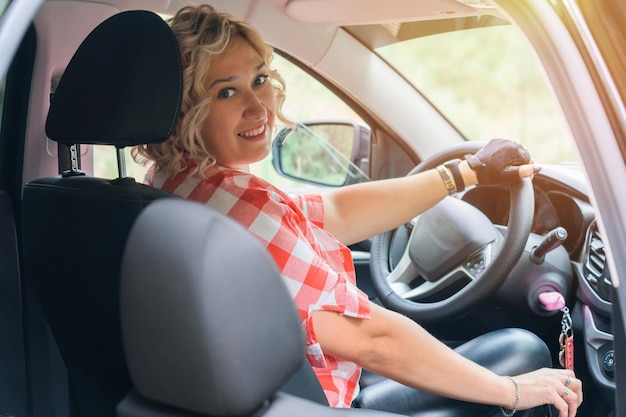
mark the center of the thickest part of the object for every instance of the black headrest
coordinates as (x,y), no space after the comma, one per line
(123,86)
(207,322)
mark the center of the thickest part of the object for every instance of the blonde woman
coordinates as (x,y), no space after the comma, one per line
(231,101)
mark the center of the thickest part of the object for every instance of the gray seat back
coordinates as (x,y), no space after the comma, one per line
(209,327)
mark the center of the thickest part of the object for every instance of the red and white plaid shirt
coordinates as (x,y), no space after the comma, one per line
(317,269)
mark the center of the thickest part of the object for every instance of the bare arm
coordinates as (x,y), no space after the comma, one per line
(396,347)
(392,345)
(360,211)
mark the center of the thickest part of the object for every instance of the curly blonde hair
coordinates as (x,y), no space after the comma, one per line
(202,33)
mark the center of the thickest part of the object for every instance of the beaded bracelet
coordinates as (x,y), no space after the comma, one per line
(517,398)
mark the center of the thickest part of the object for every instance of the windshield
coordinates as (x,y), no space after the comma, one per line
(485,80)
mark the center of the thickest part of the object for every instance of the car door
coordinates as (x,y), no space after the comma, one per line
(32,379)
(13,377)
(580,45)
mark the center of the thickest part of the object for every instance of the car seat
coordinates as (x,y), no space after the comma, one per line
(122,87)
(209,328)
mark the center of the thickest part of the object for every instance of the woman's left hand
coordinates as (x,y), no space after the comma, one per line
(501,161)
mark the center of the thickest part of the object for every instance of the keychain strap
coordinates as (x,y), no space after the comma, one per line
(554,301)
(566,340)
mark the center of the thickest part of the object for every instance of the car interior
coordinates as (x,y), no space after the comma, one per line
(97,327)
(83,310)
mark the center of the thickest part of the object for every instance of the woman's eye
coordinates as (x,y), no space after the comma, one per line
(226,93)
(261,79)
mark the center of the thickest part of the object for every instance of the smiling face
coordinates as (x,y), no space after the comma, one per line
(237,131)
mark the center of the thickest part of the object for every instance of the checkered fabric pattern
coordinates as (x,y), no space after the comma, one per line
(317,269)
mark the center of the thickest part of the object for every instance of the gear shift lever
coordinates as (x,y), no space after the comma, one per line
(551,241)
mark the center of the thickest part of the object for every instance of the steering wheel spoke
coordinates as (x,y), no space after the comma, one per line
(403,274)
(405,279)
(431,289)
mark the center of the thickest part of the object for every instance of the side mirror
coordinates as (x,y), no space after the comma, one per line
(327,153)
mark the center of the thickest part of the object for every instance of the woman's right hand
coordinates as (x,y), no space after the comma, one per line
(558,387)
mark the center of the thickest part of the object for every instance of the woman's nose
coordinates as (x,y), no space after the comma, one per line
(255,109)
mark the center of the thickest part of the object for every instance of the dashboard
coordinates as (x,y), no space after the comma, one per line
(559,201)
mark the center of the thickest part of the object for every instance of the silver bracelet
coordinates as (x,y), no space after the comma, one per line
(447,179)
(517,397)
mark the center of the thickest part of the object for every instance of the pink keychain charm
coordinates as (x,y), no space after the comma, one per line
(552,300)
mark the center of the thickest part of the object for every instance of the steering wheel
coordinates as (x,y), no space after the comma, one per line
(455,257)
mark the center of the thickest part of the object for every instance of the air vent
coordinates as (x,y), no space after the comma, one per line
(596,259)
(595,269)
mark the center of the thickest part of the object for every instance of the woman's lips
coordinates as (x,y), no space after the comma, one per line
(255,133)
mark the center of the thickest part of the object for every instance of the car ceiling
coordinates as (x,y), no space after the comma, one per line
(351,12)
(274,18)
(334,12)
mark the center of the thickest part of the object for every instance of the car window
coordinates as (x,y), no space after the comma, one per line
(105,163)
(3,6)
(487,82)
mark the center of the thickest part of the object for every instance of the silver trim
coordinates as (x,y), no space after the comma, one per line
(405,272)
(593,336)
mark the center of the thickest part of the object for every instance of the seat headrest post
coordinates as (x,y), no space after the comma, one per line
(74,162)
(121,162)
